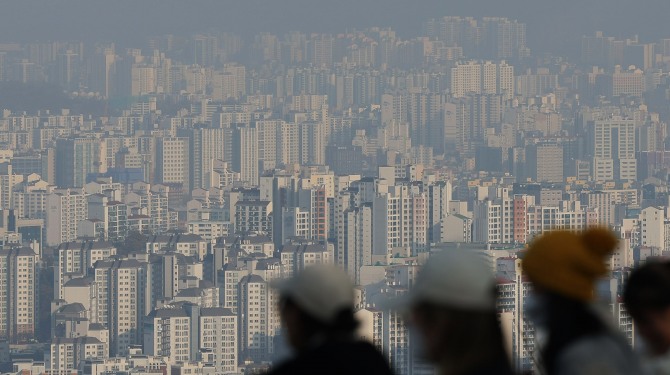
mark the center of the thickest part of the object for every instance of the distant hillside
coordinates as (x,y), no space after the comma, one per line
(32,97)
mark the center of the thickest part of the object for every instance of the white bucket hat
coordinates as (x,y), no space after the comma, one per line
(457,278)
(321,291)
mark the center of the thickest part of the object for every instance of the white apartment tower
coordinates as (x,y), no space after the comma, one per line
(66,355)
(166,334)
(400,221)
(65,209)
(8,182)
(245,154)
(206,145)
(652,227)
(612,142)
(18,294)
(513,291)
(122,301)
(257,317)
(475,77)
(75,258)
(218,332)
(439,196)
(172,162)
(354,243)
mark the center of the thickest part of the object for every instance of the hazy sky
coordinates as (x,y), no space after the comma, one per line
(552,25)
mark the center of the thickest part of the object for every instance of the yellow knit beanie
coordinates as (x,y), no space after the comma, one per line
(569,263)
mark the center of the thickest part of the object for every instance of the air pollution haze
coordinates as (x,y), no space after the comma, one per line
(360,187)
(553,23)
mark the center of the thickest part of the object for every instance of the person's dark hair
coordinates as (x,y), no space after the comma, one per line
(344,323)
(648,289)
(472,339)
(568,321)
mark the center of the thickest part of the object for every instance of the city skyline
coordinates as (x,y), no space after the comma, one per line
(156,181)
(126,20)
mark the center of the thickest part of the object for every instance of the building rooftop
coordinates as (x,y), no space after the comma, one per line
(79,340)
(79,282)
(216,311)
(190,292)
(72,308)
(167,313)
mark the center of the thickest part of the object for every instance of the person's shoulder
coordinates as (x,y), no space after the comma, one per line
(501,367)
(364,345)
(362,348)
(294,366)
(362,357)
(284,367)
(604,353)
(336,358)
(376,363)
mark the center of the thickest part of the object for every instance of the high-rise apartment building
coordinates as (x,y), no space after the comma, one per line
(9,182)
(253,216)
(245,153)
(18,294)
(387,331)
(393,109)
(489,37)
(545,162)
(612,146)
(424,116)
(173,162)
(467,119)
(320,49)
(439,196)
(354,234)
(400,221)
(111,214)
(629,82)
(492,218)
(65,209)
(206,145)
(518,331)
(475,77)
(67,355)
(312,142)
(121,302)
(218,332)
(239,74)
(74,259)
(167,334)
(276,142)
(257,316)
(76,158)
(143,79)
(67,70)
(103,72)
(143,200)
(653,225)
(505,38)
(534,84)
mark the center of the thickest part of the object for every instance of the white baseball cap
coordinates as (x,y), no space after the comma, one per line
(322,291)
(458,278)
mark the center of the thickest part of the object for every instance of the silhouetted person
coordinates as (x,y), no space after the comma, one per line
(452,308)
(572,336)
(317,310)
(647,298)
